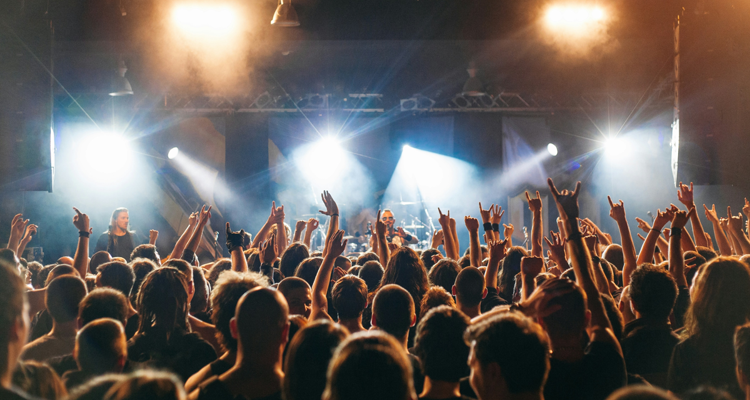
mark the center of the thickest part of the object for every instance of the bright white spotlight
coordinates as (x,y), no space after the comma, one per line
(106,156)
(552,149)
(201,20)
(616,148)
(173,153)
(406,147)
(574,19)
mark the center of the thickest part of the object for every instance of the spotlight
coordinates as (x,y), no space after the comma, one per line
(173,153)
(574,18)
(120,84)
(285,15)
(552,149)
(616,148)
(200,20)
(406,147)
(106,156)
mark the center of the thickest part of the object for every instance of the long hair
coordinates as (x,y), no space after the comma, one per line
(292,257)
(720,301)
(509,269)
(113,219)
(163,301)
(406,270)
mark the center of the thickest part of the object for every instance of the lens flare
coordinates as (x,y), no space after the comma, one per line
(552,149)
(173,153)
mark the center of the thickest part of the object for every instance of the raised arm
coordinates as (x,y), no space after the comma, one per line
(299,227)
(382,243)
(475,253)
(676,260)
(497,251)
(567,205)
(556,250)
(195,238)
(496,215)
(454,235)
(336,246)
(332,210)
(647,250)
(617,212)
(531,266)
(660,241)
(260,237)
(735,229)
(81,259)
(281,239)
(437,239)
(721,239)
(27,236)
(153,234)
(508,234)
(450,246)
(17,226)
(311,226)
(604,239)
(179,247)
(236,249)
(685,196)
(535,205)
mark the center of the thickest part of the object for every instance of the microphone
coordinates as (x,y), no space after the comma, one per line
(650,215)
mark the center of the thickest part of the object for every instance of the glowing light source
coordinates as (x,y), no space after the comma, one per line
(552,149)
(575,21)
(106,156)
(406,147)
(202,20)
(617,147)
(285,15)
(173,153)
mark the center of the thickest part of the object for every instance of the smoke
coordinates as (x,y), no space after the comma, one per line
(578,31)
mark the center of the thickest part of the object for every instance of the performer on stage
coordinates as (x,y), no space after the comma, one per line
(118,240)
(392,233)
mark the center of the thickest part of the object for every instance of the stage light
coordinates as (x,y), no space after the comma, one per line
(406,147)
(202,20)
(616,148)
(173,153)
(552,149)
(106,156)
(580,21)
(285,15)
(120,84)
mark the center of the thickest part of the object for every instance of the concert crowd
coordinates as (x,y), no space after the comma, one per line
(579,314)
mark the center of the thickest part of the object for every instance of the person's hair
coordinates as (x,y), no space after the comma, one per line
(253,260)
(58,271)
(720,301)
(742,350)
(229,289)
(542,277)
(261,318)
(147,251)
(296,323)
(308,269)
(182,266)
(147,384)
(44,274)
(518,345)
(508,270)
(436,296)
(406,270)
(141,268)
(221,265)
(67,260)
(100,345)
(426,258)
(372,273)
(8,258)
(199,303)
(606,269)
(641,392)
(350,373)
(163,301)
(365,257)
(354,270)
(614,315)
(96,388)
(34,269)
(38,380)
(570,319)
(470,286)
(440,346)
(292,257)
(463,262)
(99,258)
(307,358)
(342,262)
(113,219)
(393,309)
(613,255)
(691,272)
(444,274)
(707,253)
(291,283)
(12,298)
(653,291)
(64,294)
(103,303)
(118,276)
(349,297)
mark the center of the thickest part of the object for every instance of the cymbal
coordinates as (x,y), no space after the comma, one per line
(412,226)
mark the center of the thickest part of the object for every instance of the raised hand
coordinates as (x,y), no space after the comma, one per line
(18,225)
(496,214)
(711,214)
(278,213)
(268,250)
(685,195)
(153,234)
(531,266)
(337,244)
(681,218)
(437,238)
(312,224)
(662,218)
(379,225)
(332,209)
(535,205)
(193,219)
(497,249)
(299,226)
(556,247)
(401,232)
(735,223)
(443,219)
(567,202)
(81,222)
(746,208)
(437,257)
(485,214)
(472,224)
(617,211)
(234,239)
(508,230)
(205,215)
(591,242)
(30,232)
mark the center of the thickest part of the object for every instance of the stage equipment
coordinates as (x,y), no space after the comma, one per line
(120,84)
(285,15)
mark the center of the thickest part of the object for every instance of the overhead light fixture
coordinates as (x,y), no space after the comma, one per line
(173,153)
(120,84)
(285,15)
